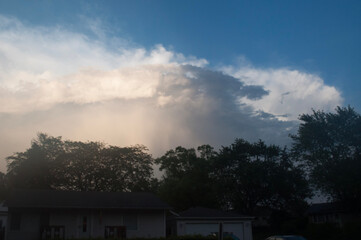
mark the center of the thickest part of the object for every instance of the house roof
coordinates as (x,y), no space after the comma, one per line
(324,208)
(73,199)
(208,213)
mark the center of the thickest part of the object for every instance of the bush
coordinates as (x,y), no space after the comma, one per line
(352,230)
(325,231)
(186,237)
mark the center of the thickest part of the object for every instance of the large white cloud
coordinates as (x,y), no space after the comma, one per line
(69,84)
(291,92)
(42,67)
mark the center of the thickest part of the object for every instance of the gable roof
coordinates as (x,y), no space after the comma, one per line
(208,213)
(72,199)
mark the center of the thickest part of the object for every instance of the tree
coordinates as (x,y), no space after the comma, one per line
(127,169)
(253,175)
(3,186)
(53,163)
(329,144)
(186,181)
(36,167)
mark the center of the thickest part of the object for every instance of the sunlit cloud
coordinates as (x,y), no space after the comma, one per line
(67,83)
(291,92)
(42,67)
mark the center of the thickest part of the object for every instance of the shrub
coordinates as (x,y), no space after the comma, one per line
(186,237)
(325,231)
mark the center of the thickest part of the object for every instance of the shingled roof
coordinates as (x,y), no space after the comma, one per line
(208,213)
(73,199)
(325,208)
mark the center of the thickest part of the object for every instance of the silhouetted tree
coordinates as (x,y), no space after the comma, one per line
(252,175)
(329,144)
(186,181)
(36,167)
(51,162)
(3,186)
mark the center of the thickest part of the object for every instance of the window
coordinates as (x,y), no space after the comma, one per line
(15,221)
(130,221)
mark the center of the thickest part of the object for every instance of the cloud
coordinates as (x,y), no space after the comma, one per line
(42,67)
(69,84)
(290,92)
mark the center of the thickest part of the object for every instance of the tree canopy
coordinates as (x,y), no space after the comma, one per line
(329,144)
(244,176)
(326,152)
(53,163)
(186,181)
(251,175)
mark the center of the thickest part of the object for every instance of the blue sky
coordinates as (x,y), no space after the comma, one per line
(317,36)
(286,57)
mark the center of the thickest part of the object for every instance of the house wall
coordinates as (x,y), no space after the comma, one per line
(248,230)
(67,219)
(29,227)
(150,223)
(241,229)
(3,221)
(337,218)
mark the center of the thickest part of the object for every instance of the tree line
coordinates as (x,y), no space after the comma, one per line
(325,156)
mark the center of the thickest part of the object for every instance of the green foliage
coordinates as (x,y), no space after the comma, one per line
(51,162)
(329,144)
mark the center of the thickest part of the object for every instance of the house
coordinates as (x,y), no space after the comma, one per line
(206,221)
(3,220)
(262,216)
(331,212)
(50,214)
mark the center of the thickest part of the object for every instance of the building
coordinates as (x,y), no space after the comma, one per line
(331,212)
(50,214)
(3,220)
(205,221)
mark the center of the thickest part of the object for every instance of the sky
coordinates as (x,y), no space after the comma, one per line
(169,73)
